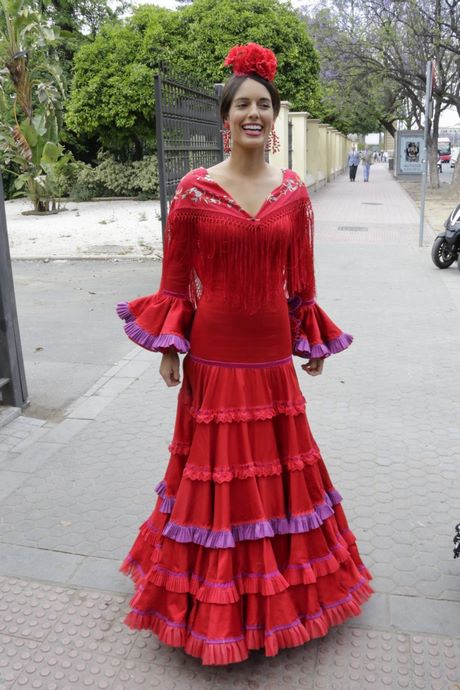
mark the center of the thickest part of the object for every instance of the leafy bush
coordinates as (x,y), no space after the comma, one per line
(112,178)
(63,174)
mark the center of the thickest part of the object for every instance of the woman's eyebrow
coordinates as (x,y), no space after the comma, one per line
(244,98)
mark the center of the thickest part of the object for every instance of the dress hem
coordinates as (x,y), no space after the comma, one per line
(219,652)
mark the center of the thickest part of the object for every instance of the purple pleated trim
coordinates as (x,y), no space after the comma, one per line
(168,502)
(199,535)
(335,496)
(155,342)
(331,347)
(224,539)
(124,311)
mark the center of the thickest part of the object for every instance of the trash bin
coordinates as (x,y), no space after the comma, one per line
(391,164)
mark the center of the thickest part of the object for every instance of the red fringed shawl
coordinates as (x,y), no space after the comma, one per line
(210,240)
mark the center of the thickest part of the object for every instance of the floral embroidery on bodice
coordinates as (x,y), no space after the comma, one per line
(201,193)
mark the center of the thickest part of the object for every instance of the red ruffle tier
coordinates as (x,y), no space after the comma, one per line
(248,546)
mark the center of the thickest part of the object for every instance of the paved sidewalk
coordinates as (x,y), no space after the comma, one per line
(385,414)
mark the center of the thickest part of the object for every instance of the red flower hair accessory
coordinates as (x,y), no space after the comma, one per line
(252,59)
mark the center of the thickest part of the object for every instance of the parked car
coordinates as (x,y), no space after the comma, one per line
(454,156)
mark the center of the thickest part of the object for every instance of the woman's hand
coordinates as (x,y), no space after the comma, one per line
(314,366)
(170,368)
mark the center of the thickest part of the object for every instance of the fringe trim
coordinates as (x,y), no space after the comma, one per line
(227,474)
(235,649)
(282,241)
(241,414)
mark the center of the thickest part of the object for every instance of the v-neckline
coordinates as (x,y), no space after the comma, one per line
(230,196)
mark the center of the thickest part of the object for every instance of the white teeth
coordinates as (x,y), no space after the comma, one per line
(256,128)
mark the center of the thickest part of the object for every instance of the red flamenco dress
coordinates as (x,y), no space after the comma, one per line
(247,546)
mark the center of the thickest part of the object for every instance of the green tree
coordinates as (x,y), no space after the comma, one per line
(211,27)
(355,98)
(393,41)
(78,22)
(112,94)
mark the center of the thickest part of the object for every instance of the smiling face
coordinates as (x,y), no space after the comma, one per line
(251,115)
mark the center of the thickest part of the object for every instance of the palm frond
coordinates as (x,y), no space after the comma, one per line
(21,142)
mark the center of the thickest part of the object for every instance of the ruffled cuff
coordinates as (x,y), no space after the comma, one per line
(314,335)
(158,322)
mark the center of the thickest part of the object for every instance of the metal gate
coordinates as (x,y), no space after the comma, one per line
(187,128)
(13,387)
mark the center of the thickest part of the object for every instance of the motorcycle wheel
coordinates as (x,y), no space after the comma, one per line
(443,256)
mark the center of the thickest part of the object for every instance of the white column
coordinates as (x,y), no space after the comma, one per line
(281,159)
(299,143)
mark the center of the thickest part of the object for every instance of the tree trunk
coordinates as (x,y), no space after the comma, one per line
(41,206)
(455,184)
(388,126)
(138,148)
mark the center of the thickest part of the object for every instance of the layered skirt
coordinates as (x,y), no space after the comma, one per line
(247,546)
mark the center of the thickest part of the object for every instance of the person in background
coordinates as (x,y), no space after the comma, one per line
(366,158)
(353,162)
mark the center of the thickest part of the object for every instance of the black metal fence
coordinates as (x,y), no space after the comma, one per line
(13,388)
(188,130)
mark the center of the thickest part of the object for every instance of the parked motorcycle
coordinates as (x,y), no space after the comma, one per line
(446,247)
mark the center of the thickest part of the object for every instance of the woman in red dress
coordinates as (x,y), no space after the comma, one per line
(247,546)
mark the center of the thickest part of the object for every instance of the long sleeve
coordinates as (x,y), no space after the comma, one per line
(162,320)
(314,334)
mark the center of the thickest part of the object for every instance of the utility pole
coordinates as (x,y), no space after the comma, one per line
(428,113)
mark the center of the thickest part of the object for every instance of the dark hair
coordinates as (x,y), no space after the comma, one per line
(233,84)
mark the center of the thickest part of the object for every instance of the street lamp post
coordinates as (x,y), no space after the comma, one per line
(429,79)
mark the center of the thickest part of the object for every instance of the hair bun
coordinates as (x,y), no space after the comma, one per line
(252,59)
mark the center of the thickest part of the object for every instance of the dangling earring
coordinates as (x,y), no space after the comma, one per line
(273,142)
(227,137)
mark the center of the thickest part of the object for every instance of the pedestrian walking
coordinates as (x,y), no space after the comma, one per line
(247,546)
(353,162)
(366,158)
